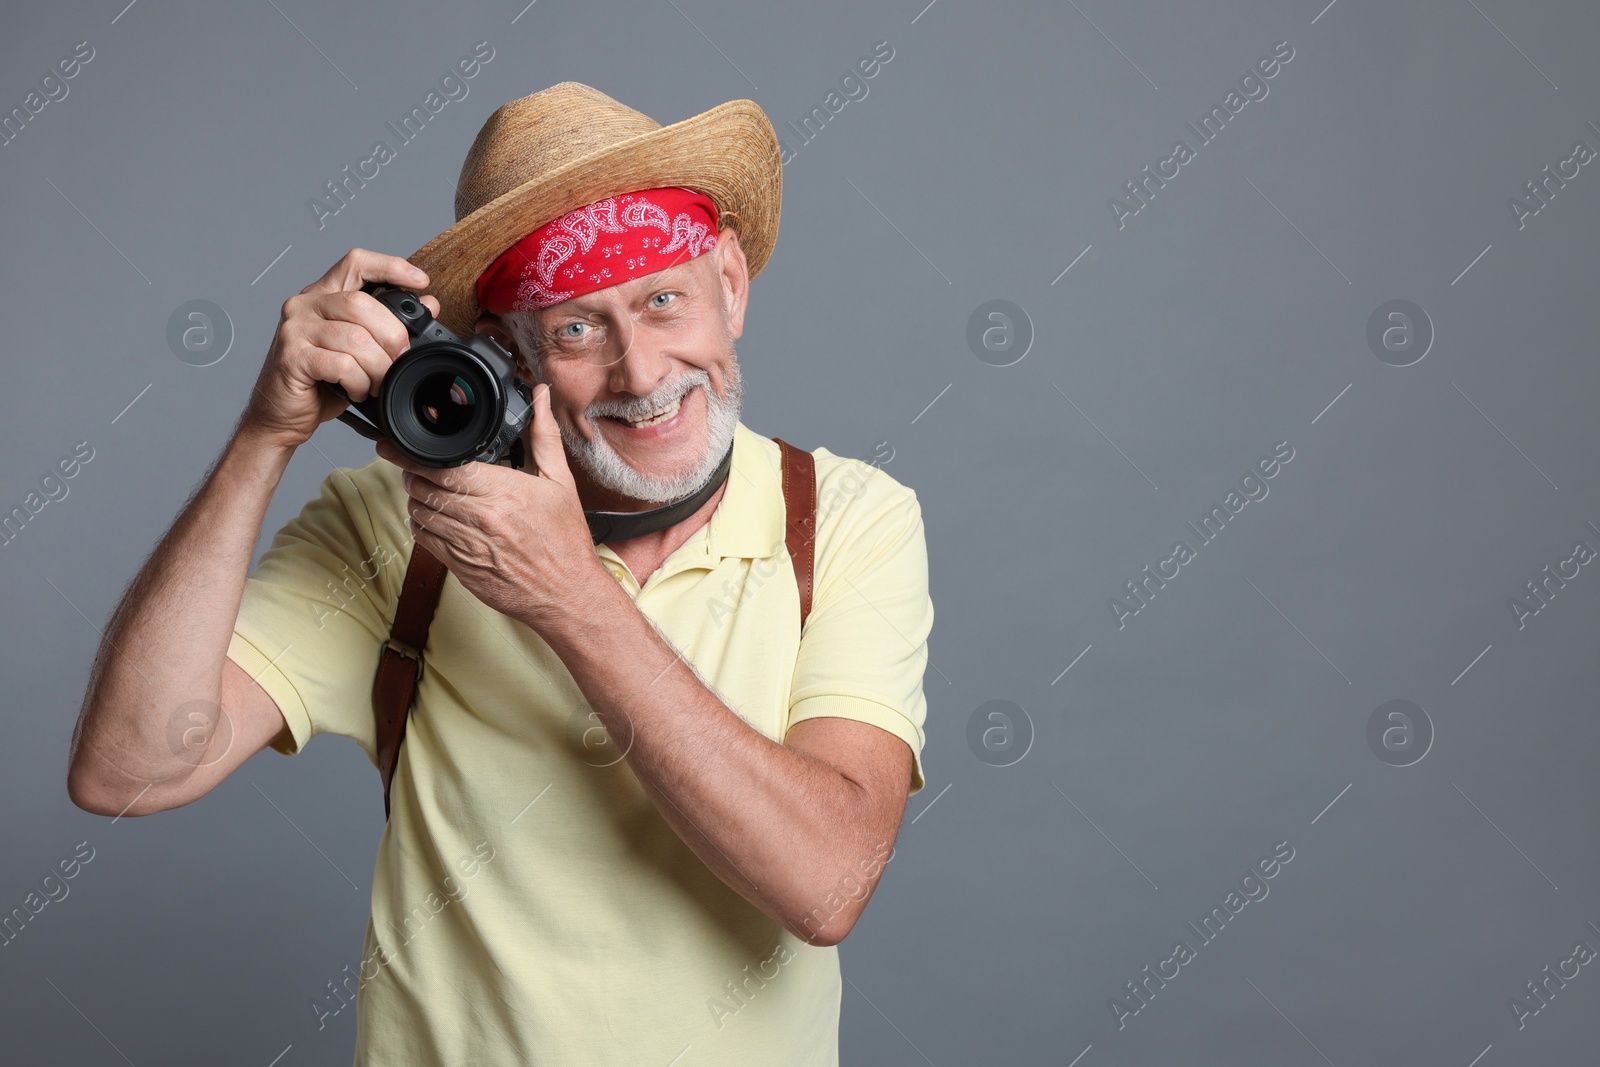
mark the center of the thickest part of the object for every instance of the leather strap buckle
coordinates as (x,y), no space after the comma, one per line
(404,649)
(400,648)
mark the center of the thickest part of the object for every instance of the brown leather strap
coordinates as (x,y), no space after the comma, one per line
(800,517)
(394,689)
(400,664)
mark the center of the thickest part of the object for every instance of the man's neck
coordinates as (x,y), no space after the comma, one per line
(645,553)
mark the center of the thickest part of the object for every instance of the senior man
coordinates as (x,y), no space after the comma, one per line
(649,783)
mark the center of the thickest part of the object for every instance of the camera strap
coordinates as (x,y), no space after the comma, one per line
(394,689)
(624,525)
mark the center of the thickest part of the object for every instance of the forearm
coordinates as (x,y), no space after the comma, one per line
(167,640)
(779,826)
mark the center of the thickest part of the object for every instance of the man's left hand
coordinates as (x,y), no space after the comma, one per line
(517,540)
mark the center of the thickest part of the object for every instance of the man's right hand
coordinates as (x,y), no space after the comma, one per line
(331,332)
(163,659)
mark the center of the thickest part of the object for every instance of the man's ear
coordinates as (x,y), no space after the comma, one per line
(734,274)
(490,325)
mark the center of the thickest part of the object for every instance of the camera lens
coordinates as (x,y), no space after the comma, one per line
(441,404)
(444,403)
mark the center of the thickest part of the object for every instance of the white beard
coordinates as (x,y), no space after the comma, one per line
(608,469)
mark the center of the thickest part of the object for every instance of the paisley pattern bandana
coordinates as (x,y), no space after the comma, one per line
(600,245)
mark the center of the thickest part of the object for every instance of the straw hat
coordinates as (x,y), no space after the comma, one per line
(569,145)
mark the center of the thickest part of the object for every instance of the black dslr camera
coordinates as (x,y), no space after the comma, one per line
(446,400)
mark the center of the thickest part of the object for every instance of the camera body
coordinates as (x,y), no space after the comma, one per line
(446,400)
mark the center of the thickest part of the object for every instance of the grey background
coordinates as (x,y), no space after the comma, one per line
(1225,717)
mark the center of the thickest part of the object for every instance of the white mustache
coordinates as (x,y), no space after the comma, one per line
(642,406)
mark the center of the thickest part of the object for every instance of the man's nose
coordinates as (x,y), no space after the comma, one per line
(642,364)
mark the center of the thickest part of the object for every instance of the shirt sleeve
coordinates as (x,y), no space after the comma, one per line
(317,609)
(864,646)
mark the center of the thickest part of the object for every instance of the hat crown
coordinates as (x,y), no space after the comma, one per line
(540,133)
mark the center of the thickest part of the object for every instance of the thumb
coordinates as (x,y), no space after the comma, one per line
(549,458)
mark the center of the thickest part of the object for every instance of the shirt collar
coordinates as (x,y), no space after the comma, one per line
(749,518)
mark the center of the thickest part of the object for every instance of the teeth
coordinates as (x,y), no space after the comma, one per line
(665,414)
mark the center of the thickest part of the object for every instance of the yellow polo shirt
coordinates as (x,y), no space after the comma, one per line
(529,904)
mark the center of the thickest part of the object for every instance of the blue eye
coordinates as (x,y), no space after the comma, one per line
(570,330)
(660,300)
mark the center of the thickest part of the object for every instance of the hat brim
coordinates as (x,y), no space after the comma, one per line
(730,153)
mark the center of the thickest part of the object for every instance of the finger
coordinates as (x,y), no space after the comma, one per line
(443,528)
(364,310)
(331,366)
(428,493)
(440,546)
(355,342)
(549,458)
(442,482)
(434,499)
(424,536)
(432,304)
(359,266)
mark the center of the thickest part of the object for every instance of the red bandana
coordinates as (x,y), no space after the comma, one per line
(603,244)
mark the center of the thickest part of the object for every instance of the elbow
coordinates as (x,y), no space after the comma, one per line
(826,934)
(826,906)
(83,789)
(84,792)
(100,798)
(94,799)
(101,784)
(97,796)
(828,923)
(822,937)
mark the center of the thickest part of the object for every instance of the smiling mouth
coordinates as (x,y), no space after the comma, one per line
(652,420)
